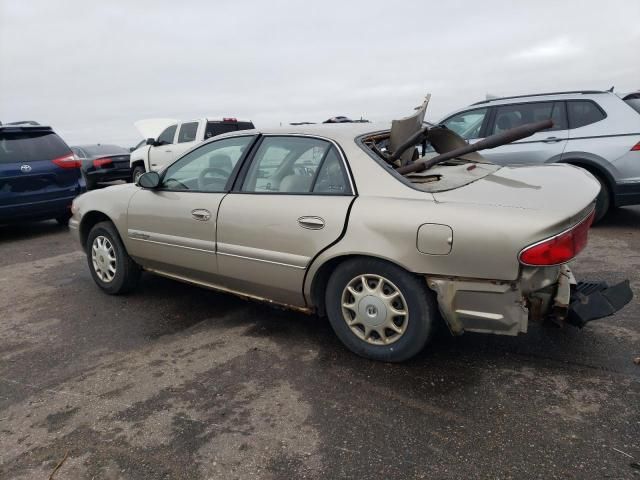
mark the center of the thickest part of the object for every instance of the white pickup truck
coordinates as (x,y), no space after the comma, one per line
(175,139)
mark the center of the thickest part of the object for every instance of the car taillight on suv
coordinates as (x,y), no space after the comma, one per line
(636,147)
(560,248)
(67,161)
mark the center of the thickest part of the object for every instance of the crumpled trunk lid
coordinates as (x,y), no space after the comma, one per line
(558,189)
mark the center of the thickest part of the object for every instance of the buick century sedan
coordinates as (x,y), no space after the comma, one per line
(355,223)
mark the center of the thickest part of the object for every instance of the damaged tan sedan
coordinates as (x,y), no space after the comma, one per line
(367,226)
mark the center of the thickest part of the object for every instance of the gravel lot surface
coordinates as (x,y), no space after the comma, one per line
(174,381)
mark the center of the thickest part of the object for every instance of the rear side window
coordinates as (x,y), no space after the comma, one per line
(511,116)
(18,147)
(582,112)
(187,132)
(166,137)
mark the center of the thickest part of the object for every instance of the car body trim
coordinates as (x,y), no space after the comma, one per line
(237,251)
(220,288)
(145,237)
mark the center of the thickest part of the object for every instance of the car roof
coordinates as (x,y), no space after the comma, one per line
(340,132)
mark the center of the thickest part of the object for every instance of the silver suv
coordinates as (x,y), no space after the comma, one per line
(595,130)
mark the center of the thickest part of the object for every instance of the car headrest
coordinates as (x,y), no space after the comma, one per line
(296,183)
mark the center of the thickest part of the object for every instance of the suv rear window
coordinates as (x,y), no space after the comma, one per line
(218,128)
(19,147)
(583,112)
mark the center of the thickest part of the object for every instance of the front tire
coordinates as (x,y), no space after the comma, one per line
(379,310)
(111,267)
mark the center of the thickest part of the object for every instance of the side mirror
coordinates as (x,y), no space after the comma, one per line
(151,141)
(131,149)
(149,180)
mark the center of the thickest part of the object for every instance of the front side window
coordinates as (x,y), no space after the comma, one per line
(467,124)
(582,112)
(292,164)
(187,132)
(208,168)
(166,137)
(511,116)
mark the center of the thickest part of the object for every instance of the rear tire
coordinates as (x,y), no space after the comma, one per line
(390,319)
(603,200)
(138,170)
(111,267)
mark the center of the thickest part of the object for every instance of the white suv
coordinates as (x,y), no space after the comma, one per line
(595,130)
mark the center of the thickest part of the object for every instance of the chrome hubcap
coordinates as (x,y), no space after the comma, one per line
(374,309)
(103,256)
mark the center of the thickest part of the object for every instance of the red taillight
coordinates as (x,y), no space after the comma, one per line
(101,162)
(67,161)
(229,119)
(636,147)
(558,249)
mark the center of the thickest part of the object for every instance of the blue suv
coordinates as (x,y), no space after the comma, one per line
(39,174)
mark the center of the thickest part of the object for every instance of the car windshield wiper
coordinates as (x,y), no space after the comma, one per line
(492,141)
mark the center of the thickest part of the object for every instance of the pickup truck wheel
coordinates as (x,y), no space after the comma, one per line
(111,267)
(137,173)
(380,311)
(603,200)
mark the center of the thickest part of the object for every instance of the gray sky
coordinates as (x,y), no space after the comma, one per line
(91,69)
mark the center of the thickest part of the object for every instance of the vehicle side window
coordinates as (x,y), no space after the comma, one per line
(331,178)
(285,165)
(187,132)
(467,124)
(208,168)
(166,137)
(582,112)
(511,116)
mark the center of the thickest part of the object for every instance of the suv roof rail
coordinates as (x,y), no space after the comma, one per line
(541,95)
(24,122)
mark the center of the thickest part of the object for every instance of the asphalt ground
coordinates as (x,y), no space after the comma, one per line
(174,381)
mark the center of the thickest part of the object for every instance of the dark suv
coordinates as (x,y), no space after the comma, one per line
(39,175)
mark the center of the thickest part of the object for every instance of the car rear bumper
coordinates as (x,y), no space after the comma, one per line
(40,210)
(627,194)
(506,308)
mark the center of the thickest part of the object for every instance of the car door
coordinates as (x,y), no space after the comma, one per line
(161,153)
(541,147)
(290,202)
(172,228)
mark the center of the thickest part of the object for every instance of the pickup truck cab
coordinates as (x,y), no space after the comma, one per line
(176,139)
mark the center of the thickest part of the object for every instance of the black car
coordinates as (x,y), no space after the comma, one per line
(39,175)
(103,163)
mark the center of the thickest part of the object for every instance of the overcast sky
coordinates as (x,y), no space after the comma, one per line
(91,69)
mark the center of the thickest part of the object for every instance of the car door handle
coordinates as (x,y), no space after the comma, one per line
(167,151)
(312,223)
(201,214)
(552,140)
